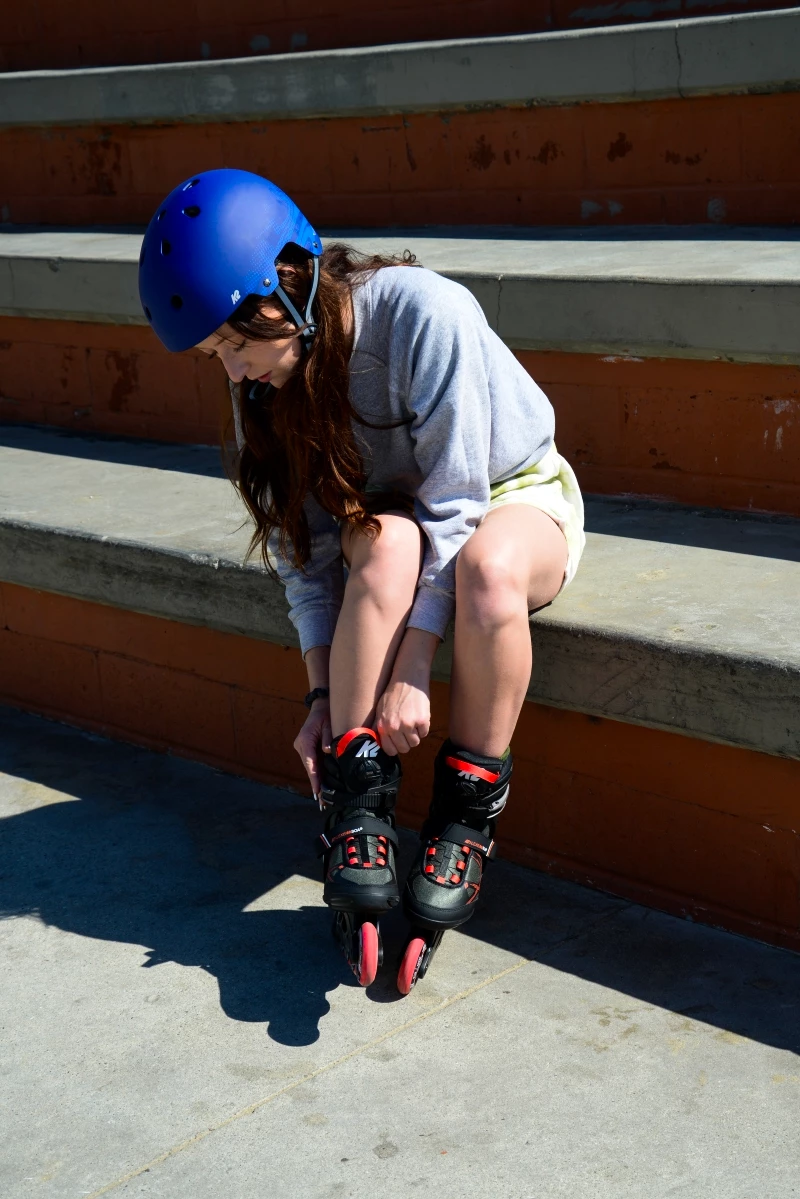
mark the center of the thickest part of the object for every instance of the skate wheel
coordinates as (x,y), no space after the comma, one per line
(368,953)
(409,967)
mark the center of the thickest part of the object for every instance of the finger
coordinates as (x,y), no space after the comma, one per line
(401,742)
(387,744)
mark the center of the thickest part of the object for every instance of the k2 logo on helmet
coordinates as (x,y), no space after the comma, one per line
(235,297)
(368,750)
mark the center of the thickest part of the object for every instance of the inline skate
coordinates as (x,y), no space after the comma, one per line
(358,846)
(442,891)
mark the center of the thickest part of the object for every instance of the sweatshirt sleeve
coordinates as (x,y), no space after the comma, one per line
(451,429)
(314,595)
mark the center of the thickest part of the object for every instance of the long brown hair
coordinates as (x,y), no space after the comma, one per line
(299,438)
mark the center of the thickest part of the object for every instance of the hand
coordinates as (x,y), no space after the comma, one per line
(315,736)
(403,716)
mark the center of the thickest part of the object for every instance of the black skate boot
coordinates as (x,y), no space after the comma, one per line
(469,793)
(359,791)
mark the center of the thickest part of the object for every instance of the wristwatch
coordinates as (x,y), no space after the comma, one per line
(317,693)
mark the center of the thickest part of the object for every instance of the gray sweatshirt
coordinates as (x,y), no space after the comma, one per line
(423,352)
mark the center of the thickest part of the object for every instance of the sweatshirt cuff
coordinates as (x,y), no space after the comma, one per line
(432,611)
(316,627)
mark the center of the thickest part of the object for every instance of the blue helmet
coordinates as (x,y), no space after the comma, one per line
(212,242)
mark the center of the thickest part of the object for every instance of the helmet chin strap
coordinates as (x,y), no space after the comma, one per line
(304,321)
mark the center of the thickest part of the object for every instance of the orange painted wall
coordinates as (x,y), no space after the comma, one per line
(724,159)
(53,34)
(701,830)
(716,433)
(115,379)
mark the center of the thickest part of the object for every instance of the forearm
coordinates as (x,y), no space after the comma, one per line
(318,666)
(415,658)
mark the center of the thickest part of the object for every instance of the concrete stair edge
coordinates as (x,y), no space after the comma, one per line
(724,297)
(668,633)
(748,52)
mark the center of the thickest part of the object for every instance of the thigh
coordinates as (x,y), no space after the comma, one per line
(528,545)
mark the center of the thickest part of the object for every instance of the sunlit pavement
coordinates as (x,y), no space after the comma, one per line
(177,1020)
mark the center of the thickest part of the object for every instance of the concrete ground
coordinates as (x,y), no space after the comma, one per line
(177,1021)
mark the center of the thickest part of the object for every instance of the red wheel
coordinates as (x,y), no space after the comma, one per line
(412,959)
(368,950)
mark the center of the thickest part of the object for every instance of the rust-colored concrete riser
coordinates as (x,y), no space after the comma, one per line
(694,828)
(91,33)
(716,433)
(719,159)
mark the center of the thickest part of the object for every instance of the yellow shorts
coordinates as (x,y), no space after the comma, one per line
(551,486)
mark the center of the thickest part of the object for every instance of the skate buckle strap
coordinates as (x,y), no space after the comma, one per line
(461,834)
(375,799)
(351,735)
(359,826)
(471,771)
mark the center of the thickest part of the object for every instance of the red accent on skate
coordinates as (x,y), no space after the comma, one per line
(487,775)
(367,865)
(431,851)
(455,878)
(407,974)
(440,878)
(465,850)
(346,738)
(430,869)
(368,945)
(461,865)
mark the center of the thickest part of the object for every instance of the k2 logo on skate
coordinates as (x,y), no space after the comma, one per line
(369,749)
(465,774)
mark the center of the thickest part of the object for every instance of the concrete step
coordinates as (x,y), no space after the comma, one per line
(731,295)
(671,358)
(674,121)
(48,35)
(679,619)
(658,757)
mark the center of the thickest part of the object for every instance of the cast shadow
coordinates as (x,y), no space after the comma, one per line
(201,869)
(147,849)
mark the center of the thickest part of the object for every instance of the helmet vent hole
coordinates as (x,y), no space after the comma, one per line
(147,314)
(176,302)
(191,183)
(165,246)
(141,256)
(192,210)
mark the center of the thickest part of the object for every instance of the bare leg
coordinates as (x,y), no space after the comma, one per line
(377,601)
(514,562)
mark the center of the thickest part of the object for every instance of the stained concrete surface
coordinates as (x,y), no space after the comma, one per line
(728,294)
(176,1020)
(678,618)
(740,52)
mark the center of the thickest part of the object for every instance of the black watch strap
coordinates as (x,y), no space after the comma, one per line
(317,693)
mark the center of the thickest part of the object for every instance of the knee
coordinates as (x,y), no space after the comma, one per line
(391,557)
(489,585)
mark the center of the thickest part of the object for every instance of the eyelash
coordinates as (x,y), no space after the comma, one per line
(238,349)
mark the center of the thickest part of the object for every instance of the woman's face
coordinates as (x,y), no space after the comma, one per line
(267,361)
